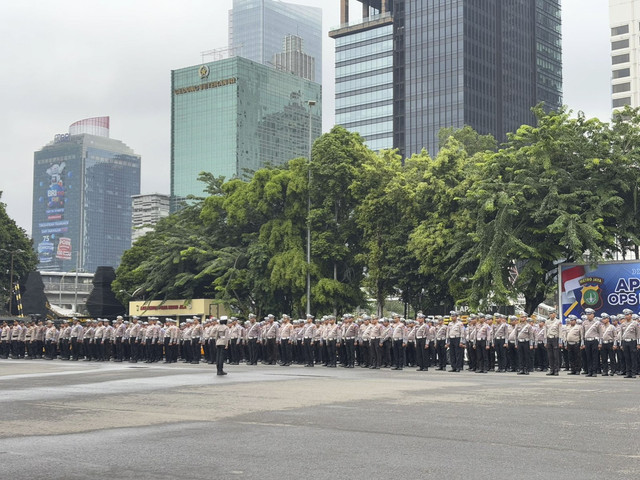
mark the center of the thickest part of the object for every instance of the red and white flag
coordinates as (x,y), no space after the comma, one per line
(571,278)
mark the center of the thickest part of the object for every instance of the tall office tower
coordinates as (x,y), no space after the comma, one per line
(293,59)
(82,187)
(234,116)
(147,210)
(624,19)
(408,68)
(257,29)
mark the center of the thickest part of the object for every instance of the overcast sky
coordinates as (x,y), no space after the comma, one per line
(66,60)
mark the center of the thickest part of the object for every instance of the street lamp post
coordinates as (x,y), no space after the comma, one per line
(311,104)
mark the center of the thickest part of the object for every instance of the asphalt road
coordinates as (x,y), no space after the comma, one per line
(75,420)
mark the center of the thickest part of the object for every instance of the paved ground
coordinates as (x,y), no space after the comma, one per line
(75,420)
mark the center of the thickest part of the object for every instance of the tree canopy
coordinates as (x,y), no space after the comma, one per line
(475,225)
(15,243)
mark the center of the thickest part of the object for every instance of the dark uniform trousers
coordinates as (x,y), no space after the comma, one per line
(119,349)
(308,351)
(253,351)
(398,354)
(431,355)
(501,354)
(410,353)
(221,355)
(50,349)
(564,353)
(350,348)
(286,351)
(317,345)
(135,349)
(541,357)
(492,358)
(386,352)
(473,356)
(620,363)
(195,350)
(512,357)
(149,353)
(574,356)
(630,356)
(271,351)
(106,350)
(456,354)
(87,348)
(422,354)
(234,350)
(365,353)
(442,353)
(331,352)
(64,348)
(591,350)
(75,348)
(482,356)
(375,353)
(553,353)
(608,358)
(524,354)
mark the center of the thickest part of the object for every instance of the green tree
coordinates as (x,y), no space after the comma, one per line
(444,222)
(168,262)
(337,160)
(15,243)
(472,141)
(269,212)
(549,195)
(386,215)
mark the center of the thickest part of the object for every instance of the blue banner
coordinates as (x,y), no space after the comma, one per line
(607,288)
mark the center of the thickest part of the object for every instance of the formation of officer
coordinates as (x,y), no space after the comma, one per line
(591,345)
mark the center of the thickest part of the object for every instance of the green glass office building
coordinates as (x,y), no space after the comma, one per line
(234,116)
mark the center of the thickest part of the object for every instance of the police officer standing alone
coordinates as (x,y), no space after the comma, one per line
(221,337)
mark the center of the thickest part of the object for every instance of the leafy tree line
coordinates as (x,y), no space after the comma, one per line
(15,243)
(474,225)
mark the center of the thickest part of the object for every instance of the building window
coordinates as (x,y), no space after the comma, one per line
(621,102)
(622,87)
(621,30)
(616,59)
(623,72)
(620,44)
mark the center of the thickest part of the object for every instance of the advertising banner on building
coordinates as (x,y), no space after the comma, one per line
(51,227)
(607,288)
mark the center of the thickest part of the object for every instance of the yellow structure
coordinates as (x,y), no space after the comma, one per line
(200,307)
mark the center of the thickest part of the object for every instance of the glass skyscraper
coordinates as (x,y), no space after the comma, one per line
(364,83)
(234,116)
(82,187)
(258,28)
(482,63)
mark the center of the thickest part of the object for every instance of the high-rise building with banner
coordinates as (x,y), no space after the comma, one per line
(82,187)
(405,69)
